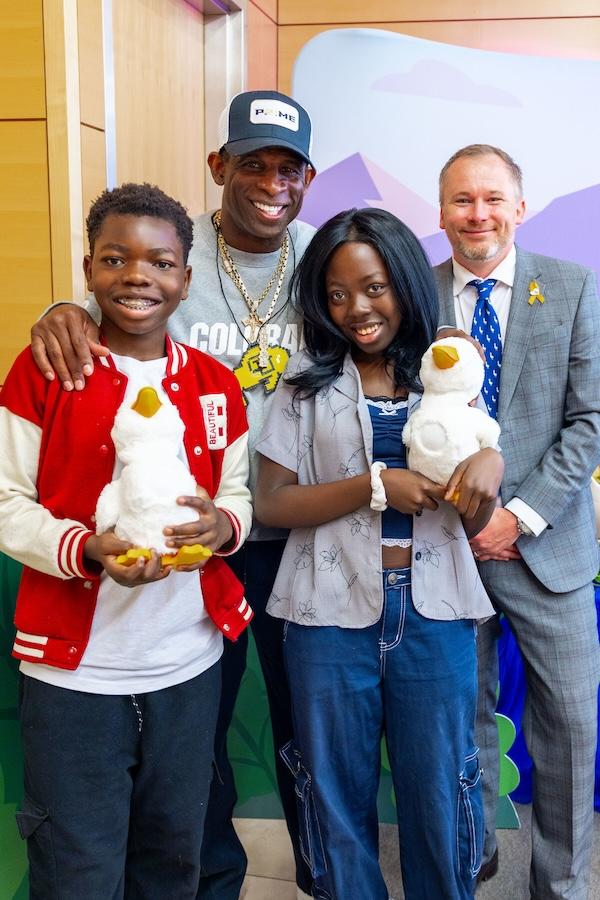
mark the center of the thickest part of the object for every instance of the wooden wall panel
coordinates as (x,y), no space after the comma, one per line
(64,148)
(577,38)
(262,50)
(22,60)
(269,7)
(93,170)
(159,83)
(292,12)
(91,63)
(25,227)
(91,104)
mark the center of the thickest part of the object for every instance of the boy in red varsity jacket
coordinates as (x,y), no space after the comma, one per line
(120,665)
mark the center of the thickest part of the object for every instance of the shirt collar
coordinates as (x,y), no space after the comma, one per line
(177,357)
(504,272)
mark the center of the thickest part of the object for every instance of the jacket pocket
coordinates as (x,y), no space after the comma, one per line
(311,843)
(469,818)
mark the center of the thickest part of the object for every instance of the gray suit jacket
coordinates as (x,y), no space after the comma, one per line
(549,411)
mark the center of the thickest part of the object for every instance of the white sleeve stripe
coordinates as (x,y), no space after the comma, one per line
(235,536)
(64,548)
(68,551)
(27,651)
(234,524)
(74,553)
(31,638)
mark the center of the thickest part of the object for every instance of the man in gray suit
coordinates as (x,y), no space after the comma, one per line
(538,555)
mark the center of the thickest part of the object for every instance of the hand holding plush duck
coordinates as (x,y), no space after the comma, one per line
(142,500)
(445,430)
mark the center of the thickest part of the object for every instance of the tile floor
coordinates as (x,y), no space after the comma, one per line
(270,867)
(270,874)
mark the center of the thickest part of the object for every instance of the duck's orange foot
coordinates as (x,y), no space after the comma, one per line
(132,555)
(188,555)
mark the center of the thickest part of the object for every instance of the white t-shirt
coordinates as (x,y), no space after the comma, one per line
(149,637)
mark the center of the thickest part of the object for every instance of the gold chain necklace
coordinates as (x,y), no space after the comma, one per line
(254,321)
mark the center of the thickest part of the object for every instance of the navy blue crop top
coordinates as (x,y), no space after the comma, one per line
(388,418)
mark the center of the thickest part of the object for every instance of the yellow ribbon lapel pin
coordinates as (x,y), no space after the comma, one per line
(535,293)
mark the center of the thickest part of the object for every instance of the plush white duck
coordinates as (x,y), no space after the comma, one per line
(141,501)
(445,429)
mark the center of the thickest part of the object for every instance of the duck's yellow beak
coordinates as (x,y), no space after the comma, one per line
(147,403)
(445,357)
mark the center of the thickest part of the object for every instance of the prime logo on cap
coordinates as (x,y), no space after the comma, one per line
(259,119)
(274,112)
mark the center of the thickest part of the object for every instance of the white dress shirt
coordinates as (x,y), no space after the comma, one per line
(465,299)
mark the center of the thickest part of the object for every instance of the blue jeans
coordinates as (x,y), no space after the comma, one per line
(223,860)
(414,680)
(116,789)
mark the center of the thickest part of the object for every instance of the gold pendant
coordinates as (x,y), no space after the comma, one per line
(253,323)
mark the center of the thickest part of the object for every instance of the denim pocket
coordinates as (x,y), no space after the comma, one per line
(469,818)
(311,843)
(30,818)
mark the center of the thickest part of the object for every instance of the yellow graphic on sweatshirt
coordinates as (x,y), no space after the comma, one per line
(250,374)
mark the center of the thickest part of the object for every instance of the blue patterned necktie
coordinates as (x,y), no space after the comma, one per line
(486,329)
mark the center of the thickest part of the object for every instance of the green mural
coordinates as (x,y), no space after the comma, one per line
(250,744)
(13,880)
(506,816)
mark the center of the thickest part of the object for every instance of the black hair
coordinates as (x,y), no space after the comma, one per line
(140,200)
(412,282)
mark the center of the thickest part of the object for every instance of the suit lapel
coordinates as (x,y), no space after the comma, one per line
(521,319)
(445,283)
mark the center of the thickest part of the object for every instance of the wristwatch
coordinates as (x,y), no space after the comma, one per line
(522,528)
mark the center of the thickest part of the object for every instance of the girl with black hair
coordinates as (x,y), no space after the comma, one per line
(377,583)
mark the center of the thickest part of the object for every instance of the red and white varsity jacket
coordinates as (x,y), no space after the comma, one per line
(56,455)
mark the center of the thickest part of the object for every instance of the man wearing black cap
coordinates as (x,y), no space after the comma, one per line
(238,310)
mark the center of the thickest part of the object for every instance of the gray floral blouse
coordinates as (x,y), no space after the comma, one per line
(331,574)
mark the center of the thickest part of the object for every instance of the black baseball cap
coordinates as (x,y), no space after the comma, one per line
(257,119)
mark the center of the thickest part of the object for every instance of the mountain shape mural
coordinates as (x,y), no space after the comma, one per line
(358,181)
(566,228)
